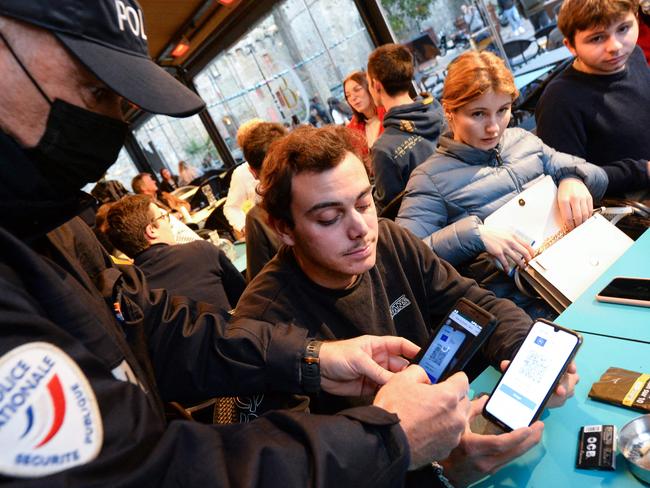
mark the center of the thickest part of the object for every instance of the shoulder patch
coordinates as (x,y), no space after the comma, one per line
(49,417)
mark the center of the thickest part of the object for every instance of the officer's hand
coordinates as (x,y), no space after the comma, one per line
(433,417)
(478,455)
(358,366)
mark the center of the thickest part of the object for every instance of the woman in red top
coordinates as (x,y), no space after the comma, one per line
(368,118)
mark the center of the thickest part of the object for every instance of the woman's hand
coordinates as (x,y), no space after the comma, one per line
(575,202)
(504,246)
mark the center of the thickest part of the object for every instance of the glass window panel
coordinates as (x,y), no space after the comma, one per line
(168,140)
(439,30)
(123,170)
(302,49)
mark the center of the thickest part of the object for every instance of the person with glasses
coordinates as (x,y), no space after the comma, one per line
(197,269)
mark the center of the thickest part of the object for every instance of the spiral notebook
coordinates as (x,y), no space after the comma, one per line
(565,263)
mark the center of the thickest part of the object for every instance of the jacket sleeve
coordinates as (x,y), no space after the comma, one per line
(562,165)
(388,181)
(195,352)
(627,175)
(138,449)
(424,213)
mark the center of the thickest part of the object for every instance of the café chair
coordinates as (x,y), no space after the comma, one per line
(541,35)
(525,105)
(519,51)
(218,221)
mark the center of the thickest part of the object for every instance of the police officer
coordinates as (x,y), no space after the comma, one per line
(87,351)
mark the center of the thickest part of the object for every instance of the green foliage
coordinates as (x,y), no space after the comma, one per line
(402,13)
(197,148)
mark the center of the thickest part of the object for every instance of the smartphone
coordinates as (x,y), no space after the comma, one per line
(628,291)
(459,336)
(522,392)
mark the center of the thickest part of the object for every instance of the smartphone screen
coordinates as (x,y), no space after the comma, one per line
(450,343)
(523,390)
(637,289)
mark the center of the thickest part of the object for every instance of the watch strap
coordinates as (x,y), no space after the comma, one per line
(310,367)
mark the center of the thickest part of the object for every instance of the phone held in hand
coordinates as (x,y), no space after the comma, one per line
(626,291)
(522,392)
(460,335)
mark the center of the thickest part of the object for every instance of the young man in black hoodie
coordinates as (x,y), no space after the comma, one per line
(411,126)
(341,273)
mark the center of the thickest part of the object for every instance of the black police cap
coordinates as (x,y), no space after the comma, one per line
(108,38)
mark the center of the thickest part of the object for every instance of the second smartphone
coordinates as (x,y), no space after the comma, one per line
(522,392)
(460,335)
(627,291)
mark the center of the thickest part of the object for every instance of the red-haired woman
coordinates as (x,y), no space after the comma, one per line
(368,118)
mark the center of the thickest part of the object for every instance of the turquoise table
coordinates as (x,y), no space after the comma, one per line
(608,319)
(240,260)
(552,462)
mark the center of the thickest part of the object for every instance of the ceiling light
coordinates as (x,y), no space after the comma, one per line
(181,48)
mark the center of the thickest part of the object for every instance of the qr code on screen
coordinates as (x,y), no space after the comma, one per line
(533,367)
(439,353)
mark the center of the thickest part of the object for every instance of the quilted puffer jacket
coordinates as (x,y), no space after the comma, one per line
(448,196)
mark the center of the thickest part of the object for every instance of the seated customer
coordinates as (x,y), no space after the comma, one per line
(107,191)
(261,240)
(198,269)
(144,184)
(342,273)
(101,227)
(367,118)
(241,193)
(479,166)
(169,182)
(411,126)
(599,107)
(186,173)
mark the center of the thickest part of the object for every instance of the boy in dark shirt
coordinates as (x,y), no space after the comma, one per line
(342,273)
(599,107)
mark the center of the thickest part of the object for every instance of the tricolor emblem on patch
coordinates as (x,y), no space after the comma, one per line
(49,418)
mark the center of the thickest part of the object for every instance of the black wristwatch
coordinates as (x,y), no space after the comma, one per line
(310,367)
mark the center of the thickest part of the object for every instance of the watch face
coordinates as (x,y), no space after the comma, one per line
(310,368)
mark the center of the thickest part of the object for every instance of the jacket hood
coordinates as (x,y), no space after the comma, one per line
(29,205)
(447,146)
(423,117)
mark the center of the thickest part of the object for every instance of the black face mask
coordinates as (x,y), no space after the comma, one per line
(78,145)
